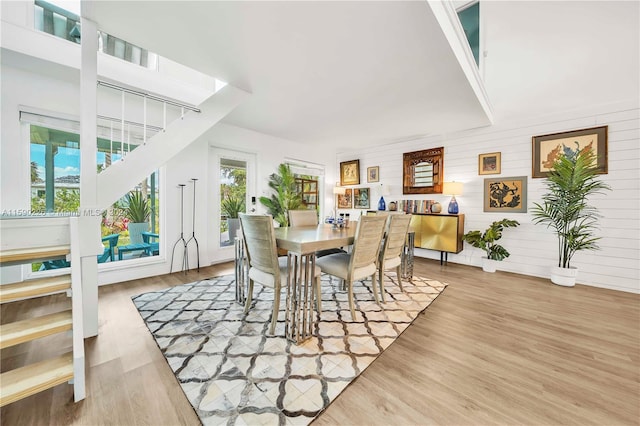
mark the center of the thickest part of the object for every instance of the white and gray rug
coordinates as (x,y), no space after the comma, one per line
(233,373)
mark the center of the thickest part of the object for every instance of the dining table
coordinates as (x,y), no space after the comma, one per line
(301,244)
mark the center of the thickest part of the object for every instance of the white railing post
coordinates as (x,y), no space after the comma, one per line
(77,310)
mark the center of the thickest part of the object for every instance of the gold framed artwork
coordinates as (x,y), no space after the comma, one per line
(350,173)
(346,201)
(548,148)
(508,195)
(360,198)
(489,164)
(373,174)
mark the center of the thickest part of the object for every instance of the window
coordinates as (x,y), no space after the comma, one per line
(55,188)
(60,21)
(470,20)
(233,194)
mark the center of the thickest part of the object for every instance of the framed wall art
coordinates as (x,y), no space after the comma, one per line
(423,171)
(360,198)
(373,174)
(350,173)
(489,164)
(547,148)
(508,195)
(346,201)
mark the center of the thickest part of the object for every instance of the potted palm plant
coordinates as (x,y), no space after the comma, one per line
(231,206)
(487,241)
(138,210)
(285,196)
(566,210)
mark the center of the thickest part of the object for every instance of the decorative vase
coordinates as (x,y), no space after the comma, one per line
(135,231)
(393,206)
(453,206)
(565,277)
(436,207)
(381,204)
(489,265)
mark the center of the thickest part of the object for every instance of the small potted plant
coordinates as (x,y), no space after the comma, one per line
(137,210)
(487,242)
(566,210)
(232,205)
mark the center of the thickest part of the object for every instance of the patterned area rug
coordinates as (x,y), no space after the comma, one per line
(233,373)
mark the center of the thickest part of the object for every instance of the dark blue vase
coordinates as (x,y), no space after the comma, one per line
(453,206)
(381,204)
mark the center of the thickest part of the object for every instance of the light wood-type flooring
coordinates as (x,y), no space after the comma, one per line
(492,349)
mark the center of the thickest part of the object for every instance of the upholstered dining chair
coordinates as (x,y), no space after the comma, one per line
(264,265)
(303,218)
(391,251)
(309,218)
(362,262)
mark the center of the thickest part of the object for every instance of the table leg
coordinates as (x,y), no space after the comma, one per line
(407,256)
(299,318)
(242,270)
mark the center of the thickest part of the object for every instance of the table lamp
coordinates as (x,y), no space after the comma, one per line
(453,189)
(384,190)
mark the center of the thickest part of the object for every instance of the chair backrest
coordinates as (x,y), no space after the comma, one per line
(303,218)
(366,245)
(260,243)
(397,229)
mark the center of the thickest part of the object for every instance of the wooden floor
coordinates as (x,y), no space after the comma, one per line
(492,349)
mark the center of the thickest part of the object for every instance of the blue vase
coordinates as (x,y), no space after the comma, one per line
(453,206)
(381,204)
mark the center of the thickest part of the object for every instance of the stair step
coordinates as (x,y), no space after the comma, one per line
(34,328)
(34,288)
(31,379)
(26,255)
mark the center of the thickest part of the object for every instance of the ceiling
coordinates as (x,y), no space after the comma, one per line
(336,73)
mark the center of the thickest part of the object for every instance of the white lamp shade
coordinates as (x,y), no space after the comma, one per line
(339,190)
(452,188)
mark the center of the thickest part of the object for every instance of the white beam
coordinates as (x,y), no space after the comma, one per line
(88,168)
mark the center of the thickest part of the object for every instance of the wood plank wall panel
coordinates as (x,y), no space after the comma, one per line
(533,248)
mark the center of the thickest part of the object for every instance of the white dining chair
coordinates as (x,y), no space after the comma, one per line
(391,251)
(362,262)
(264,265)
(309,218)
(303,217)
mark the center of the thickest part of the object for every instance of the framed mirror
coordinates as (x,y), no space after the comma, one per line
(423,171)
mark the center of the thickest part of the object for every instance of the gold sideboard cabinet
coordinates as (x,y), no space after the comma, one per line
(442,232)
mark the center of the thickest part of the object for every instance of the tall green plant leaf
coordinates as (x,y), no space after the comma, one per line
(138,208)
(285,196)
(565,206)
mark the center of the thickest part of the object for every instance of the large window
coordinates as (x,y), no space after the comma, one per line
(55,188)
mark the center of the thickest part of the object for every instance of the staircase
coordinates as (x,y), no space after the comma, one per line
(32,378)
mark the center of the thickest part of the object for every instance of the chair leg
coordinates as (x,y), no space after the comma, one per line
(276,310)
(399,274)
(375,288)
(351,304)
(247,303)
(318,294)
(381,279)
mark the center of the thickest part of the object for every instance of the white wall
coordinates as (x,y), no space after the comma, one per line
(550,67)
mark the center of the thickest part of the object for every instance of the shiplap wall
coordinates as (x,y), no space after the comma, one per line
(533,248)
